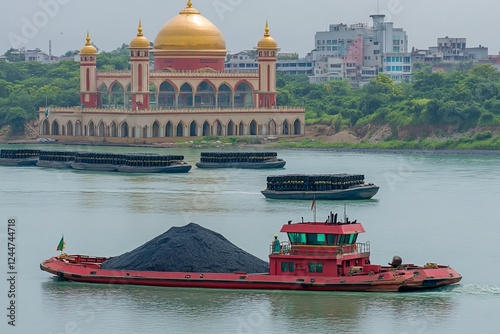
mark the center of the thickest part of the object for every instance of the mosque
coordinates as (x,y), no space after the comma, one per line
(185,92)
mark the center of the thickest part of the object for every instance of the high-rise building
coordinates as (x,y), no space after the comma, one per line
(358,52)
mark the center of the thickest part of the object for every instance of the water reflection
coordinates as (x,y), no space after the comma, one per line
(251,311)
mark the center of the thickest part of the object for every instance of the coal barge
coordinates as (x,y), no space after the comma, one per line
(20,157)
(318,256)
(246,160)
(327,187)
(130,163)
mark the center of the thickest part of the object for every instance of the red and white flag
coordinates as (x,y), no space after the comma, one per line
(313,205)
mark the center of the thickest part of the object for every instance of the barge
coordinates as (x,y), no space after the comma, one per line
(245,160)
(318,256)
(326,187)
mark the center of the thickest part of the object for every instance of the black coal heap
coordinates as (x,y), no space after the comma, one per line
(190,248)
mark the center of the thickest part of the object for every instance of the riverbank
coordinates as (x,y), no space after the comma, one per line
(482,141)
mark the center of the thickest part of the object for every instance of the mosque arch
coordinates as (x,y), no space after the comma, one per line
(116,95)
(286,128)
(180,129)
(45,127)
(218,128)
(69,128)
(55,128)
(78,129)
(166,95)
(243,95)
(124,130)
(272,128)
(254,128)
(101,129)
(207,131)
(185,99)
(205,95)
(241,129)
(224,96)
(169,129)
(193,129)
(91,129)
(297,127)
(156,129)
(231,131)
(114,130)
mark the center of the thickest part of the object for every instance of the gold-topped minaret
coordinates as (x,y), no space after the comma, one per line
(267,49)
(139,41)
(88,49)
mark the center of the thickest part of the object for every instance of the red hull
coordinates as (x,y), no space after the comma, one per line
(87,269)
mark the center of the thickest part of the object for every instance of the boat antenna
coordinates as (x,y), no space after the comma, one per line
(345,214)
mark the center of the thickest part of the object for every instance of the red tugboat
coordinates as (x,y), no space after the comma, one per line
(319,256)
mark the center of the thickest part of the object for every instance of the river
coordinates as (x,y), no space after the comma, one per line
(441,208)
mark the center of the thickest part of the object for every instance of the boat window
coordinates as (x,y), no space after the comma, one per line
(297,238)
(352,239)
(291,267)
(284,267)
(330,239)
(315,267)
(315,239)
(343,239)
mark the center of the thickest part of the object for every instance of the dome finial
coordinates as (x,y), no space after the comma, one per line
(190,4)
(266,30)
(88,38)
(139,29)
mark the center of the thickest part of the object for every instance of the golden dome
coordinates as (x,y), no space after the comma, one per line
(140,42)
(190,31)
(267,42)
(88,49)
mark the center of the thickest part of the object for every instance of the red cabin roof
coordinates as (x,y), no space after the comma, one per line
(324,228)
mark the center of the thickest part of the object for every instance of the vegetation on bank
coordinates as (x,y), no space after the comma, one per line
(454,102)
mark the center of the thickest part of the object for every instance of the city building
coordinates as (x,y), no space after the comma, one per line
(288,63)
(450,50)
(187,94)
(358,52)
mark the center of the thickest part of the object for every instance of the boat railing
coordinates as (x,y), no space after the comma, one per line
(320,250)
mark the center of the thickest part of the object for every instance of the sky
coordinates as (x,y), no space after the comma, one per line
(293,23)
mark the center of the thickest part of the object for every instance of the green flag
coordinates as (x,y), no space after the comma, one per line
(61,245)
(47,112)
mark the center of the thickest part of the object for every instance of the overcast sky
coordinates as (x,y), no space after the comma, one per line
(293,23)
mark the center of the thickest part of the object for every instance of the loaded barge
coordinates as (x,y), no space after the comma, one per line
(247,160)
(19,157)
(328,187)
(318,256)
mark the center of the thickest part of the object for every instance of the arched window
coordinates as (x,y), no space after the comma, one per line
(169,130)
(230,128)
(193,129)
(124,130)
(156,129)
(243,96)
(205,96)
(253,128)
(55,128)
(206,129)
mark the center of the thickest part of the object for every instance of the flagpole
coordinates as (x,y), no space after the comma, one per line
(314,208)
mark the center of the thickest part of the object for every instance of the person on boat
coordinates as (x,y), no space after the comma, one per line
(276,245)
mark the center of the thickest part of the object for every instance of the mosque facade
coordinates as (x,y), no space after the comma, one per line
(187,93)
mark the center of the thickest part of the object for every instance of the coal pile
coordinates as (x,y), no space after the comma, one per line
(191,248)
